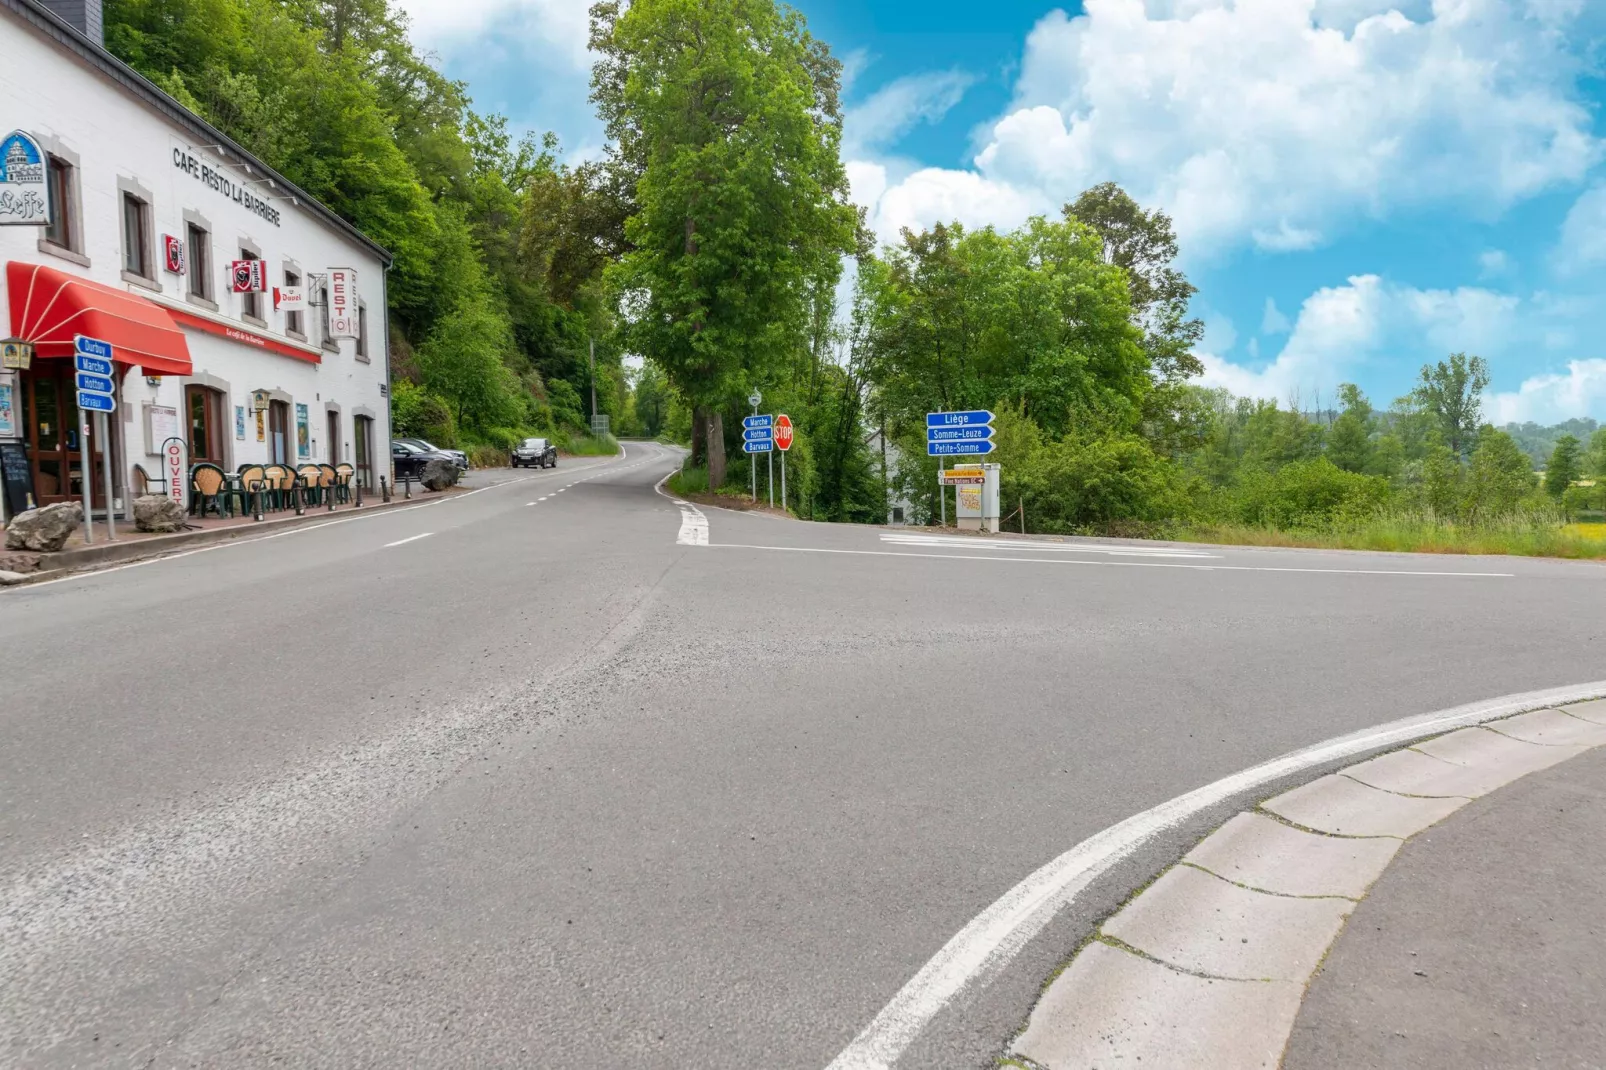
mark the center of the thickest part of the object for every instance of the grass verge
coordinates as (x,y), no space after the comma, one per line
(1424,533)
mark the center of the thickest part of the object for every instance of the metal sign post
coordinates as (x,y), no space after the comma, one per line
(86,473)
(957,434)
(753,399)
(92,361)
(106,469)
(758,437)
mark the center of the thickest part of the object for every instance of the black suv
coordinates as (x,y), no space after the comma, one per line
(537,452)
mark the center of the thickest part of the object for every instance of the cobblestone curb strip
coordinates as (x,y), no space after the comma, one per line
(1206,967)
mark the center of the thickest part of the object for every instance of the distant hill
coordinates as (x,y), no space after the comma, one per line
(1537,441)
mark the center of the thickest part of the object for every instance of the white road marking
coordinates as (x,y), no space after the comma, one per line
(987,944)
(1031,547)
(1114,564)
(693,526)
(410,538)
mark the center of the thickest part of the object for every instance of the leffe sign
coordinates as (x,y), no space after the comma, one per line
(24,196)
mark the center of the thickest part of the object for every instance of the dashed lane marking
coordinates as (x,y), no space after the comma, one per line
(410,538)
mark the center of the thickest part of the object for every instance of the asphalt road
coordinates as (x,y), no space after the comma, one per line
(518,779)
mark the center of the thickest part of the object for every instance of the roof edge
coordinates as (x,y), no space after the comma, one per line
(48,23)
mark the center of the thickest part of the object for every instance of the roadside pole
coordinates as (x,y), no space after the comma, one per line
(769,481)
(104,423)
(783,481)
(86,472)
(942,498)
(752,462)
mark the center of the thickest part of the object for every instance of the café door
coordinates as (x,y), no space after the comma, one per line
(50,414)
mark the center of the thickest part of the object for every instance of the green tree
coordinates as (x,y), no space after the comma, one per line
(1499,478)
(1349,440)
(1451,393)
(652,400)
(726,116)
(1565,466)
(462,362)
(1595,459)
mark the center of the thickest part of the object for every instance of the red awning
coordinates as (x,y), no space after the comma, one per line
(49,306)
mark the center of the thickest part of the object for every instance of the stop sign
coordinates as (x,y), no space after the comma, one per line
(783,432)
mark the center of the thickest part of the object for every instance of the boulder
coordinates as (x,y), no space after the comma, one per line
(157,512)
(9,578)
(46,529)
(439,474)
(19,563)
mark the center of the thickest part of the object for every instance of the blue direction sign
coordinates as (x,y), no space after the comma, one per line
(751,422)
(960,449)
(762,445)
(970,418)
(93,365)
(95,384)
(96,402)
(756,434)
(91,347)
(958,434)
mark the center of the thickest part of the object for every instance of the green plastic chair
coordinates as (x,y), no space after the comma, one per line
(209,488)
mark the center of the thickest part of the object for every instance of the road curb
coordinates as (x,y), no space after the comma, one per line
(1203,960)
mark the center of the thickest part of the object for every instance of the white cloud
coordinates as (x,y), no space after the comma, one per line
(1274,122)
(1273,321)
(1551,398)
(897,107)
(1493,262)
(931,195)
(1341,329)
(561,27)
(1583,233)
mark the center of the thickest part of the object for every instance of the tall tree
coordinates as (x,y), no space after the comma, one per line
(1349,440)
(1143,244)
(725,115)
(1451,393)
(1565,466)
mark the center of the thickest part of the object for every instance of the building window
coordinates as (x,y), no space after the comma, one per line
(136,237)
(362,332)
(323,317)
(250,301)
(292,320)
(199,249)
(62,229)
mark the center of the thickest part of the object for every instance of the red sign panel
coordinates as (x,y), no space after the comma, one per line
(248,276)
(783,432)
(250,338)
(173,254)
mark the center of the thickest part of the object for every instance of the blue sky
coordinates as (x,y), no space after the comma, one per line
(1359,186)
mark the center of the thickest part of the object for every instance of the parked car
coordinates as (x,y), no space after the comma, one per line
(536,452)
(457,455)
(409,461)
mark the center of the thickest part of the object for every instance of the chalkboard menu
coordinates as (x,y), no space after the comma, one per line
(17,474)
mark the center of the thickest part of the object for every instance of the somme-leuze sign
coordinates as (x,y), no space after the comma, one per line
(24,199)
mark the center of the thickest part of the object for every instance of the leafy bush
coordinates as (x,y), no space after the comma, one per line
(503,438)
(1302,494)
(486,456)
(416,413)
(1096,484)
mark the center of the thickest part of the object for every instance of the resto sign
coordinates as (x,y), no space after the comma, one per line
(342,303)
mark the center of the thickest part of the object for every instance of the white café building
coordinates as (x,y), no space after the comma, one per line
(149,208)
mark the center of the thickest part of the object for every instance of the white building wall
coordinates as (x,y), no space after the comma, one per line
(118,142)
